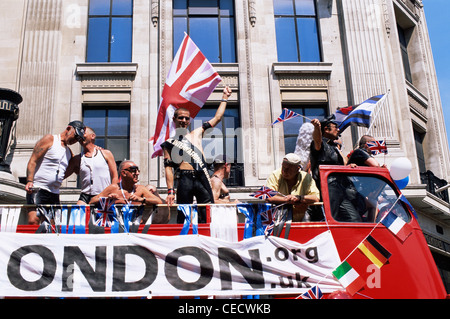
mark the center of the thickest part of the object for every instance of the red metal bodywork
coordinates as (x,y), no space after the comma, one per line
(410,272)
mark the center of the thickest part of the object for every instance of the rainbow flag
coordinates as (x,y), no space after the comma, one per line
(376,253)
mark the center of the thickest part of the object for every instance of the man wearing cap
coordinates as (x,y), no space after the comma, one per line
(324,149)
(298,186)
(344,199)
(47,166)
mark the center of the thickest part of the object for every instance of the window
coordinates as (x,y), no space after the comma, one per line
(404,39)
(110,31)
(364,199)
(418,138)
(291,127)
(296,31)
(112,129)
(210,24)
(224,139)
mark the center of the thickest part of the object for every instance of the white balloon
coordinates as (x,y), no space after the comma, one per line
(400,168)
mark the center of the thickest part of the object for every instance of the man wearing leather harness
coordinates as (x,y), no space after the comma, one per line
(184,155)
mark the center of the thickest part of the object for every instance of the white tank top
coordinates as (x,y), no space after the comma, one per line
(94,173)
(50,172)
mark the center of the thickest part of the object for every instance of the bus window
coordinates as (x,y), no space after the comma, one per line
(362,199)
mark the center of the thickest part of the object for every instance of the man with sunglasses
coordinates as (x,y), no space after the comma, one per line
(127,190)
(184,155)
(47,166)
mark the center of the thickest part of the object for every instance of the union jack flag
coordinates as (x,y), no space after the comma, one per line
(264,193)
(286,115)
(189,83)
(377,147)
(267,221)
(106,213)
(313,293)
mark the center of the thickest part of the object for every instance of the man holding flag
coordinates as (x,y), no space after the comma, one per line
(189,83)
(184,153)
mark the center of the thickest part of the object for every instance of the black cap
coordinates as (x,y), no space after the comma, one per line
(329,119)
(79,128)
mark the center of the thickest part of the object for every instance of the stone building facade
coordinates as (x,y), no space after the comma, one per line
(356,49)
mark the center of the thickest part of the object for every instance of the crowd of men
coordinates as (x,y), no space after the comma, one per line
(185,166)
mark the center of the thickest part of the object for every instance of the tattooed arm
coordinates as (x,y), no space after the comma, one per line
(39,151)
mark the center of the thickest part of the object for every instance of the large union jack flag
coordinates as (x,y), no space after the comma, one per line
(286,115)
(377,147)
(190,81)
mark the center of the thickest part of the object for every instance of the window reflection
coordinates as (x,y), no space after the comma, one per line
(110,31)
(296,31)
(210,24)
(112,129)
(362,199)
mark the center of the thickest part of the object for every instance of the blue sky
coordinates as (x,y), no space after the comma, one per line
(436,14)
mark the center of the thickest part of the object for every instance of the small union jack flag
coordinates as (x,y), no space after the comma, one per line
(105,214)
(313,293)
(286,115)
(264,193)
(377,147)
(267,221)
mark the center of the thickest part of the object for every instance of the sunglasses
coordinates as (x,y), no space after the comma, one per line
(186,118)
(132,169)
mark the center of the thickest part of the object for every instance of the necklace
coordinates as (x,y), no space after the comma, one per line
(123,194)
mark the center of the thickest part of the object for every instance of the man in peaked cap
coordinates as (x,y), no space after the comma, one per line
(324,149)
(344,199)
(297,186)
(47,166)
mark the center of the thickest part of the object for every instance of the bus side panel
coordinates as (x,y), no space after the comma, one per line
(409,273)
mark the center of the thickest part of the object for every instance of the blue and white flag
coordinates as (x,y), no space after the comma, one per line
(131,217)
(361,114)
(190,217)
(73,220)
(253,222)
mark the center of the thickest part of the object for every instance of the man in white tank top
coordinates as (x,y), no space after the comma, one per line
(95,166)
(47,166)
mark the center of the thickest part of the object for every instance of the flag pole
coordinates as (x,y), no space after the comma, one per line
(377,111)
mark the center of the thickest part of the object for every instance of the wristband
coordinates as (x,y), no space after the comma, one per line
(223,100)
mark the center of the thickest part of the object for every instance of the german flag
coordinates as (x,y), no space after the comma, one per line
(376,253)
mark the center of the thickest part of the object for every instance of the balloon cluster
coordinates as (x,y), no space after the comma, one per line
(400,169)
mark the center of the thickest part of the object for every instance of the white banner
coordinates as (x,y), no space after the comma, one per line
(116,265)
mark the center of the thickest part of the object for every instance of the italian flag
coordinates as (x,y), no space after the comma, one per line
(349,278)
